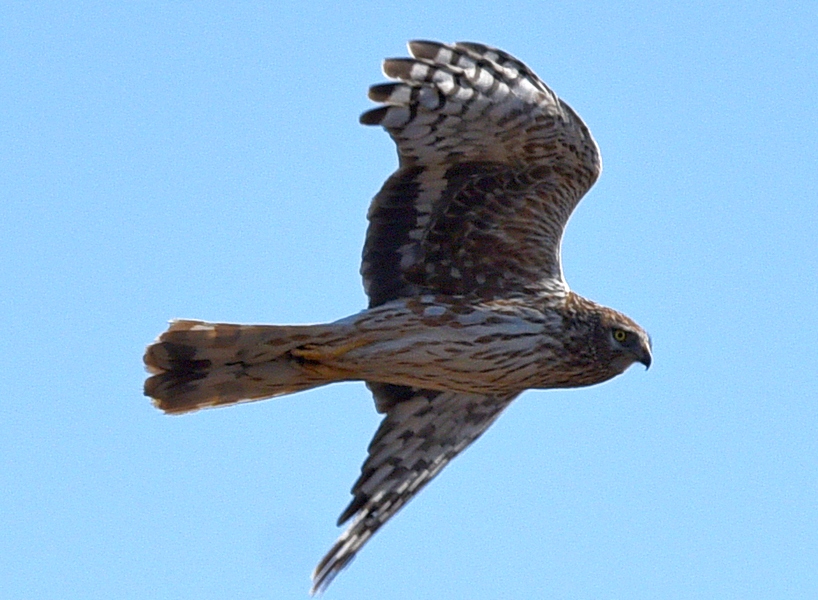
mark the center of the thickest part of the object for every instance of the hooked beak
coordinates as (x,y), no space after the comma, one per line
(646,355)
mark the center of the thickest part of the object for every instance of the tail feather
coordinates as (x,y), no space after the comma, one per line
(195,364)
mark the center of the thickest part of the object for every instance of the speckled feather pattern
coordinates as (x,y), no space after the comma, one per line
(492,163)
(468,306)
(418,437)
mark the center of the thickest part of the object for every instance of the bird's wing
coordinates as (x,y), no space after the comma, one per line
(492,163)
(422,431)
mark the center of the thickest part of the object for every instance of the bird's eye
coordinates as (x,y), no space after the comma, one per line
(620,335)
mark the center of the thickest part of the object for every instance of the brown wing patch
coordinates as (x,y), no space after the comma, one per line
(491,165)
(423,430)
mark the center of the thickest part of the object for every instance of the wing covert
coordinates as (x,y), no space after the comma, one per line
(423,430)
(491,165)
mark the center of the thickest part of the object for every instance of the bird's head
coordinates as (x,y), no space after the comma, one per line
(603,342)
(626,341)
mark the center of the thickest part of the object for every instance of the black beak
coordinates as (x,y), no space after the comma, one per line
(646,360)
(647,355)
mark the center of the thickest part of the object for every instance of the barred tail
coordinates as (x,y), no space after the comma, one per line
(196,365)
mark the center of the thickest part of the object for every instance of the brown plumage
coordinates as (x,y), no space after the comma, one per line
(468,305)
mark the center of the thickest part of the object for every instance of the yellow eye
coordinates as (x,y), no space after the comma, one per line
(620,335)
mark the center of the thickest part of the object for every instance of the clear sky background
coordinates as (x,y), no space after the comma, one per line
(176,159)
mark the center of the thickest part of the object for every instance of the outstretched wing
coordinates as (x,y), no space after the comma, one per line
(422,431)
(492,163)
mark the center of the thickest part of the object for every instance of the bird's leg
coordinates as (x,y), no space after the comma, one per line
(325,352)
(322,359)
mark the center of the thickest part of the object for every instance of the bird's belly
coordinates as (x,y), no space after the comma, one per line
(478,351)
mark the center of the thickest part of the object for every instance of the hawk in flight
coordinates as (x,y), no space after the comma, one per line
(468,306)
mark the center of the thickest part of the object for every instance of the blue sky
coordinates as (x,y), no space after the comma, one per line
(163,160)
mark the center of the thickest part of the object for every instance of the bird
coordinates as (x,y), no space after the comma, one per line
(468,304)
